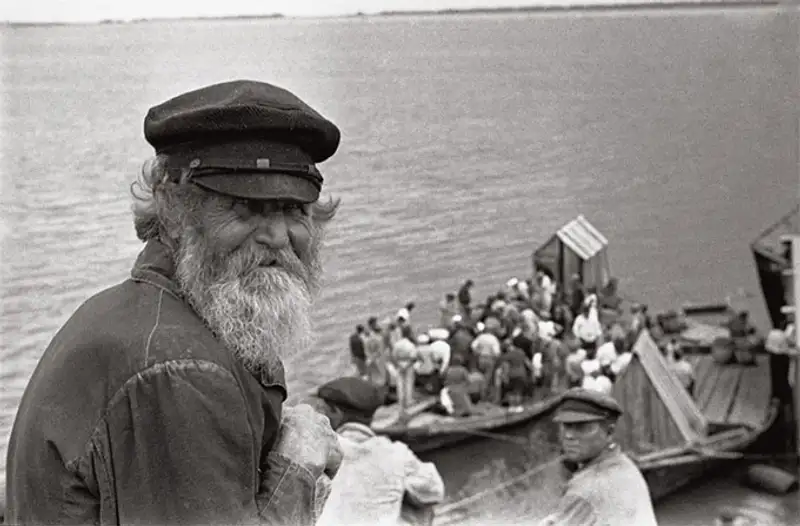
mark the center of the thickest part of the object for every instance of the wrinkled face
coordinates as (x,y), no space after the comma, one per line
(582,441)
(250,269)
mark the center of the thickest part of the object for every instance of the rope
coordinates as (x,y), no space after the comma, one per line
(733,455)
(447,508)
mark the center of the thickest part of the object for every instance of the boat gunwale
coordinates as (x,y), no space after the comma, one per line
(505,419)
(718,442)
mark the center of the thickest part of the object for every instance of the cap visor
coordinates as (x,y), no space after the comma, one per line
(260,186)
(570,417)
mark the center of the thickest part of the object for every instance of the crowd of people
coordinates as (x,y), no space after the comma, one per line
(527,338)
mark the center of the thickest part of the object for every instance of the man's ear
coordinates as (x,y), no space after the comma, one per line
(336,416)
(611,428)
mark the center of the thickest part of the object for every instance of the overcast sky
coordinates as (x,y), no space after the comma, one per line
(90,10)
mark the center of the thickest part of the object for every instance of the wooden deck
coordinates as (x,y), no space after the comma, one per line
(733,394)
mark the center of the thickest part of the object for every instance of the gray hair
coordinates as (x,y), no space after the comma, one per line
(160,201)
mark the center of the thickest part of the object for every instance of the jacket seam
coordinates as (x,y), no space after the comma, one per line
(155,327)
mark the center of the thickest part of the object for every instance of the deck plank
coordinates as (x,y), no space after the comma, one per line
(706,378)
(717,400)
(752,402)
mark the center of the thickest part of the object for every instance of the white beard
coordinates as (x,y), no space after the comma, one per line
(261,314)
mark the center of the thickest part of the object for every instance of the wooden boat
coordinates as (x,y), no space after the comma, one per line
(427,431)
(674,437)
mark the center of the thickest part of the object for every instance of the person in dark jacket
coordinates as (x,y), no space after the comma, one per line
(160,401)
(357,353)
(464,297)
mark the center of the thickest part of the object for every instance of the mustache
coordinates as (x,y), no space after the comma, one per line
(247,260)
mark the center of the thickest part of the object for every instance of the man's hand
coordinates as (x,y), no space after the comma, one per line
(306,438)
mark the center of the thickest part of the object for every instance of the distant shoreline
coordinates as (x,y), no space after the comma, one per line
(688,4)
(638,6)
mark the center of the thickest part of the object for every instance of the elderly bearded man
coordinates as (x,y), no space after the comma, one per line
(160,400)
(606,487)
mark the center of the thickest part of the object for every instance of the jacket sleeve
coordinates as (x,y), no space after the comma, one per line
(423,483)
(179,448)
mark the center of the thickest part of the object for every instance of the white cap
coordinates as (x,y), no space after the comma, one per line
(480,326)
(439,334)
(457,318)
(423,339)
(403,314)
(513,282)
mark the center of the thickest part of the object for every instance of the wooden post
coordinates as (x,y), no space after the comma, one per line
(796,295)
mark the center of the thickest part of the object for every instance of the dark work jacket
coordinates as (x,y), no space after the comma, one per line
(137,414)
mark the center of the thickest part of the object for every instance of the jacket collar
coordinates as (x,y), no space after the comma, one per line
(156,266)
(611,450)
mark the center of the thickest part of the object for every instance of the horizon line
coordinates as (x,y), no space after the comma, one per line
(601,5)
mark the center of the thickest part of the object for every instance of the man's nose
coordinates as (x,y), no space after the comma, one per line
(272,231)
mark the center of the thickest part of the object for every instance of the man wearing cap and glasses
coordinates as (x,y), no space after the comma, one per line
(606,487)
(160,400)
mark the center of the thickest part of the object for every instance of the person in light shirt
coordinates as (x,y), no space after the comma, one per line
(378,476)
(587,328)
(440,349)
(606,486)
(683,369)
(573,367)
(621,363)
(607,353)
(404,356)
(590,365)
(547,287)
(486,348)
(426,370)
(548,329)
(597,381)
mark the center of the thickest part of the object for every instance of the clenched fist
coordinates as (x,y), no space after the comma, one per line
(306,438)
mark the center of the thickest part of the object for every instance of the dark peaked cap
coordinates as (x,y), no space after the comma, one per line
(585,405)
(353,395)
(244,138)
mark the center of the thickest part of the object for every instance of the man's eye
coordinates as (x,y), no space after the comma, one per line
(295,208)
(244,208)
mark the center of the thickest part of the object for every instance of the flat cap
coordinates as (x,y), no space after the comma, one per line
(353,395)
(244,138)
(585,405)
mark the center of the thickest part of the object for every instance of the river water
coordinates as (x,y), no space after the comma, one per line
(467,140)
